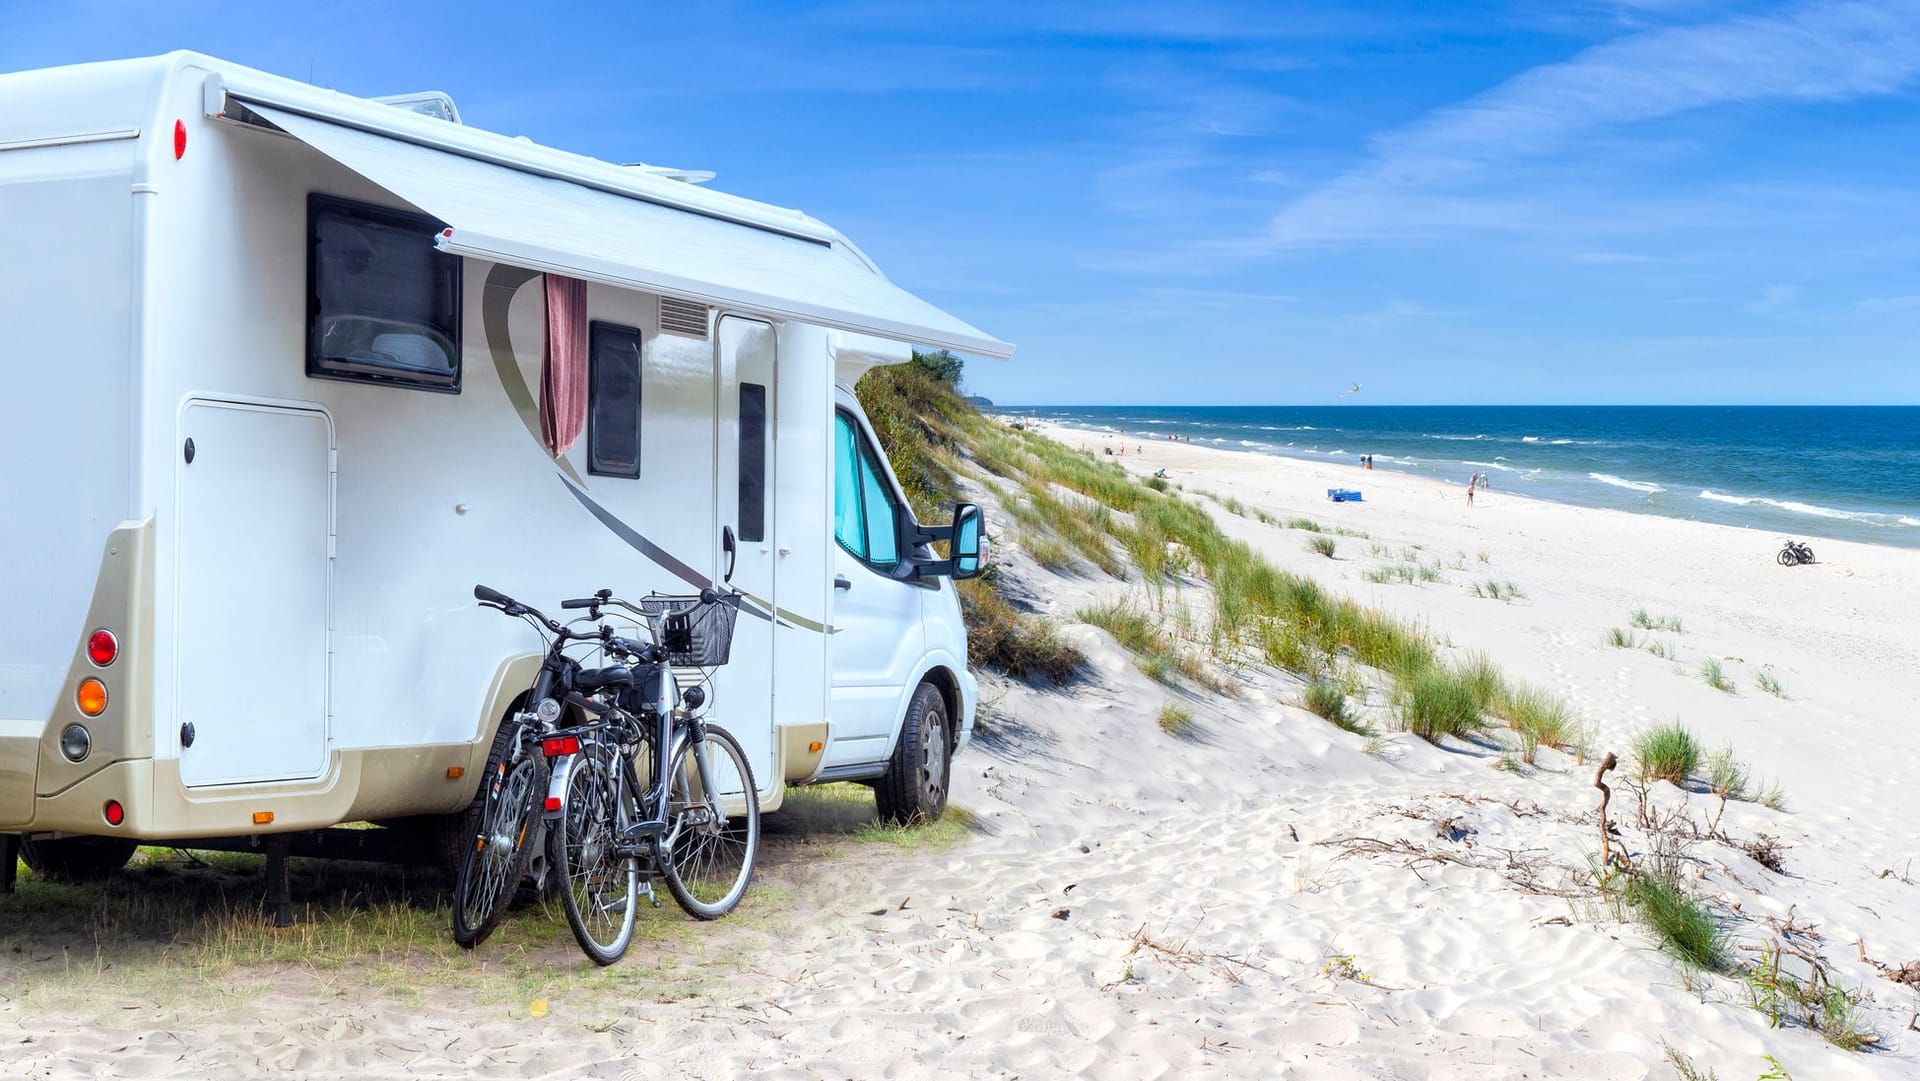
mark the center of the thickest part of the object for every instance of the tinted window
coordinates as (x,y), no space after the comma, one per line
(753,462)
(383,304)
(613,400)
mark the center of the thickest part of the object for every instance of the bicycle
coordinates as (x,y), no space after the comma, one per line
(504,818)
(694,823)
(1795,553)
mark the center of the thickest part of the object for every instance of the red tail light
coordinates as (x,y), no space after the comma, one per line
(179,139)
(102,648)
(554,748)
(553,803)
(114,813)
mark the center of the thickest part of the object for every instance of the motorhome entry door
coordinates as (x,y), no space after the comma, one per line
(745,500)
(253,570)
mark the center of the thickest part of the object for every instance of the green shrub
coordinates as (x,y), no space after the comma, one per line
(1667,753)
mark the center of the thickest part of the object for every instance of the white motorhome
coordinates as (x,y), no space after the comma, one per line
(283,376)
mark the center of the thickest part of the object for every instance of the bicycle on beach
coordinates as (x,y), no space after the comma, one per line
(647,788)
(504,819)
(1795,553)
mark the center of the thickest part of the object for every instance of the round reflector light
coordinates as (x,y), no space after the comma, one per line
(91,697)
(102,648)
(75,743)
(114,813)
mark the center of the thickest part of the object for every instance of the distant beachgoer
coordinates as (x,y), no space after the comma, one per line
(1472,482)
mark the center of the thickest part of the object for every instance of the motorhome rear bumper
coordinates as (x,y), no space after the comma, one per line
(19,755)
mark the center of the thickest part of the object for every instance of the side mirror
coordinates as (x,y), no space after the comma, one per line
(969,541)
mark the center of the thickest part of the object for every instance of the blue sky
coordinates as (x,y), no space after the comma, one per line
(1661,201)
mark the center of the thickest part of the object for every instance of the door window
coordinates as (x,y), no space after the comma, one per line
(865,510)
(753,462)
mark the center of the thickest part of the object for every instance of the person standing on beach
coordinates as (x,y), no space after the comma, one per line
(1471,482)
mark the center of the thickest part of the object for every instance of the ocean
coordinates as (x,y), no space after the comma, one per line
(1846,472)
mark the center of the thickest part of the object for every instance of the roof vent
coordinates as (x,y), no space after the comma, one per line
(434,103)
(683,317)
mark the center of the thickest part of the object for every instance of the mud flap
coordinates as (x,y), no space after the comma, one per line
(9,861)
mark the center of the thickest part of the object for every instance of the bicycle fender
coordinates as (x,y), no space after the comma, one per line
(556,804)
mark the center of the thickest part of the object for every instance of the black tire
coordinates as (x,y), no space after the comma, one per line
(1806,554)
(512,788)
(914,788)
(599,890)
(707,864)
(1788,558)
(76,859)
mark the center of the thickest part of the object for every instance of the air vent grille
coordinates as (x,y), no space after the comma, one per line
(685,318)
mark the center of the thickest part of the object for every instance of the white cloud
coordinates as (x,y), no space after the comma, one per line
(1419,178)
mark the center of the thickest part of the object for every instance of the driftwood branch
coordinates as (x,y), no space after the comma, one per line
(1606,795)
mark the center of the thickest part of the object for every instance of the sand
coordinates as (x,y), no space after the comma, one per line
(1140,905)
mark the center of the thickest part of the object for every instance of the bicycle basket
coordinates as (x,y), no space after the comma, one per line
(694,634)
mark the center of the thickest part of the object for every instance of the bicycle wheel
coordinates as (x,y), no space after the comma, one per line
(1788,558)
(599,888)
(1806,554)
(510,794)
(709,857)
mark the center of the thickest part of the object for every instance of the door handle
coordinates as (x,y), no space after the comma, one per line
(840,582)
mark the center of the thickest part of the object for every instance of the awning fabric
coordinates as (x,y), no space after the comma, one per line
(505,215)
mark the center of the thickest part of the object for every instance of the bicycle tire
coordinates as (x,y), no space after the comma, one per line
(599,890)
(1806,554)
(512,789)
(1788,557)
(698,854)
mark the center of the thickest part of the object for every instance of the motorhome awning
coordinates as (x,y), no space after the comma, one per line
(505,215)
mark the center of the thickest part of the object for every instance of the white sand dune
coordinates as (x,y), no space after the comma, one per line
(1145,906)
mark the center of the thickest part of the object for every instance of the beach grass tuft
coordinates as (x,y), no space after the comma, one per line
(1656,623)
(1681,923)
(1327,698)
(1661,648)
(1667,753)
(1440,701)
(1176,719)
(1621,639)
(1539,718)
(998,636)
(1716,677)
(1321,545)
(1770,683)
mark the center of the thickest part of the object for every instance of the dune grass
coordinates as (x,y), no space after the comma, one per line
(1540,719)
(1176,719)
(1154,650)
(1328,699)
(1667,753)
(1683,926)
(1619,638)
(1499,591)
(1662,649)
(1770,683)
(1716,677)
(1440,701)
(1656,623)
(1321,545)
(998,636)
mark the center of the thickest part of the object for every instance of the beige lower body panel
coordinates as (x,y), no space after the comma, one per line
(384,782)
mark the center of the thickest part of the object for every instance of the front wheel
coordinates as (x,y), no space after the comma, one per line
(713,826)
(497,850)
(914,788)
(599,888)
(1788,558)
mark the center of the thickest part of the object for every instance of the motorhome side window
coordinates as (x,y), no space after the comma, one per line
(383,305)
(613,400)
(863,506)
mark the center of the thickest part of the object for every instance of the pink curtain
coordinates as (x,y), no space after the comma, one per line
(563,376)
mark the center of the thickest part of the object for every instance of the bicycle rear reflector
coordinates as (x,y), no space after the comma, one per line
(561,745)
(553,803)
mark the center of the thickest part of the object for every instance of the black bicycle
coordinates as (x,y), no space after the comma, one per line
(1795,554)
(504,819)
(694,821)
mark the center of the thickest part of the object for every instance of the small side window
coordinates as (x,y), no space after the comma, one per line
(883,547)
(613,400)
(383,305)
(753,462)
